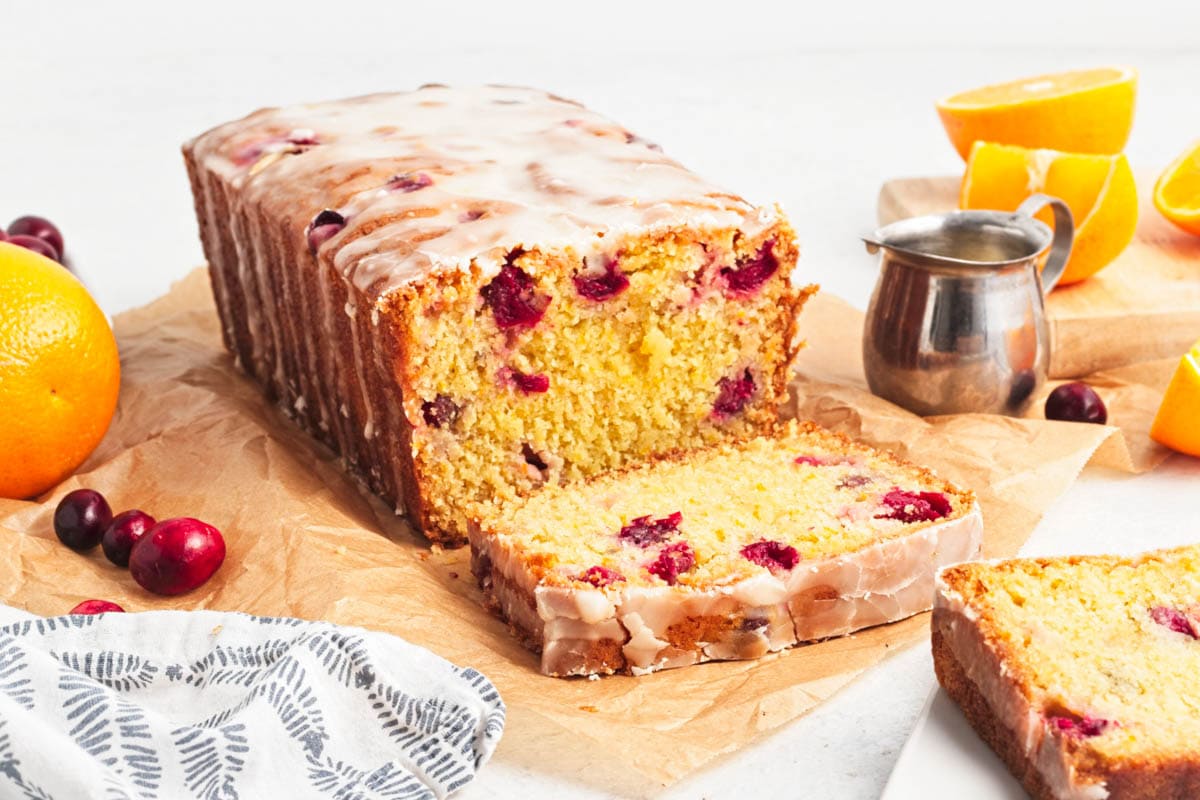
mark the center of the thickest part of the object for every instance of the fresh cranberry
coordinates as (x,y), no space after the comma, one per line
(601,576)
(535,383)
(324,227)
(751,272)
(81,518)
(440,411)
(1076,402)
(1175,620)
(176,556)
(915,506)
(3,235)
(771,554)
(96,607)
(674,560)
(1083,728)
(604,286)
(812,461)
(512,299)
(39,246)
(38,228)
(644,531)
(409,182)
(121,534)
(734,393)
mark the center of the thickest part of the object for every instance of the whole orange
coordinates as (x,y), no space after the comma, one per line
(59,373)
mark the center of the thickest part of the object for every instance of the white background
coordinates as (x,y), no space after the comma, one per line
(809,104)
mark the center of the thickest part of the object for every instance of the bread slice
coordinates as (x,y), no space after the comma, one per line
(472,292)
(726,552)
(1079,672)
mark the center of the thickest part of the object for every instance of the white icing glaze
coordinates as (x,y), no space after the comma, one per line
(245,248)
(359,353)
(883,582)
(206,209)
(989,672)
(544,171)
(332,366)
(652,611)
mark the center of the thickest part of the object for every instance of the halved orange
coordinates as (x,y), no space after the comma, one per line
(1177,191)
(1083,111)
(1100,191)
(1177,423)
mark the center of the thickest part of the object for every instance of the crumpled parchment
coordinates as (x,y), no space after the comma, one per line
(194,437)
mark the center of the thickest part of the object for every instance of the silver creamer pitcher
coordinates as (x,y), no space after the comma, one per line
(957,321)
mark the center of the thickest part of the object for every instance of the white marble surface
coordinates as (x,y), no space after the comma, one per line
(810,106)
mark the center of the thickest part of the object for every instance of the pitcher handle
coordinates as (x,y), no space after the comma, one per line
(1064,234)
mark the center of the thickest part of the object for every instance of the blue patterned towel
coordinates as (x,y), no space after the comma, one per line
(219,706)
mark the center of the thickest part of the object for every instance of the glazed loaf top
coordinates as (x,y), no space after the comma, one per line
(398,186)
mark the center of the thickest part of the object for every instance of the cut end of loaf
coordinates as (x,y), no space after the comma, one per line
(559,367)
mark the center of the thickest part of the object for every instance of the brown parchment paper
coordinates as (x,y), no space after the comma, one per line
(193,437)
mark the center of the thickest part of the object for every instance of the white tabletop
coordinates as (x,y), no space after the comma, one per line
(813,108)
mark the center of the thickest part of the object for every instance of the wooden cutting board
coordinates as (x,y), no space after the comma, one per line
(1143,306)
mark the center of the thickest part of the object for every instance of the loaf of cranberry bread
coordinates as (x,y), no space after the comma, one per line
(469,293)
(1079,672)
(725,552)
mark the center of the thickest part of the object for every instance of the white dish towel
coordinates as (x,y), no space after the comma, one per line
(221,706)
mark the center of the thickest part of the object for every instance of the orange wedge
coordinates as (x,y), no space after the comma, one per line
(1177,424)
(1085,111)
(1177,191)
(1099,189)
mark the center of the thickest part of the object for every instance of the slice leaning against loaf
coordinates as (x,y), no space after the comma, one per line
(1080,672)
(725,552)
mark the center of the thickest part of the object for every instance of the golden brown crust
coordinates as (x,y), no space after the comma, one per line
(602,657)
(788,252)
(953,678)
(210,238)
(691,632)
